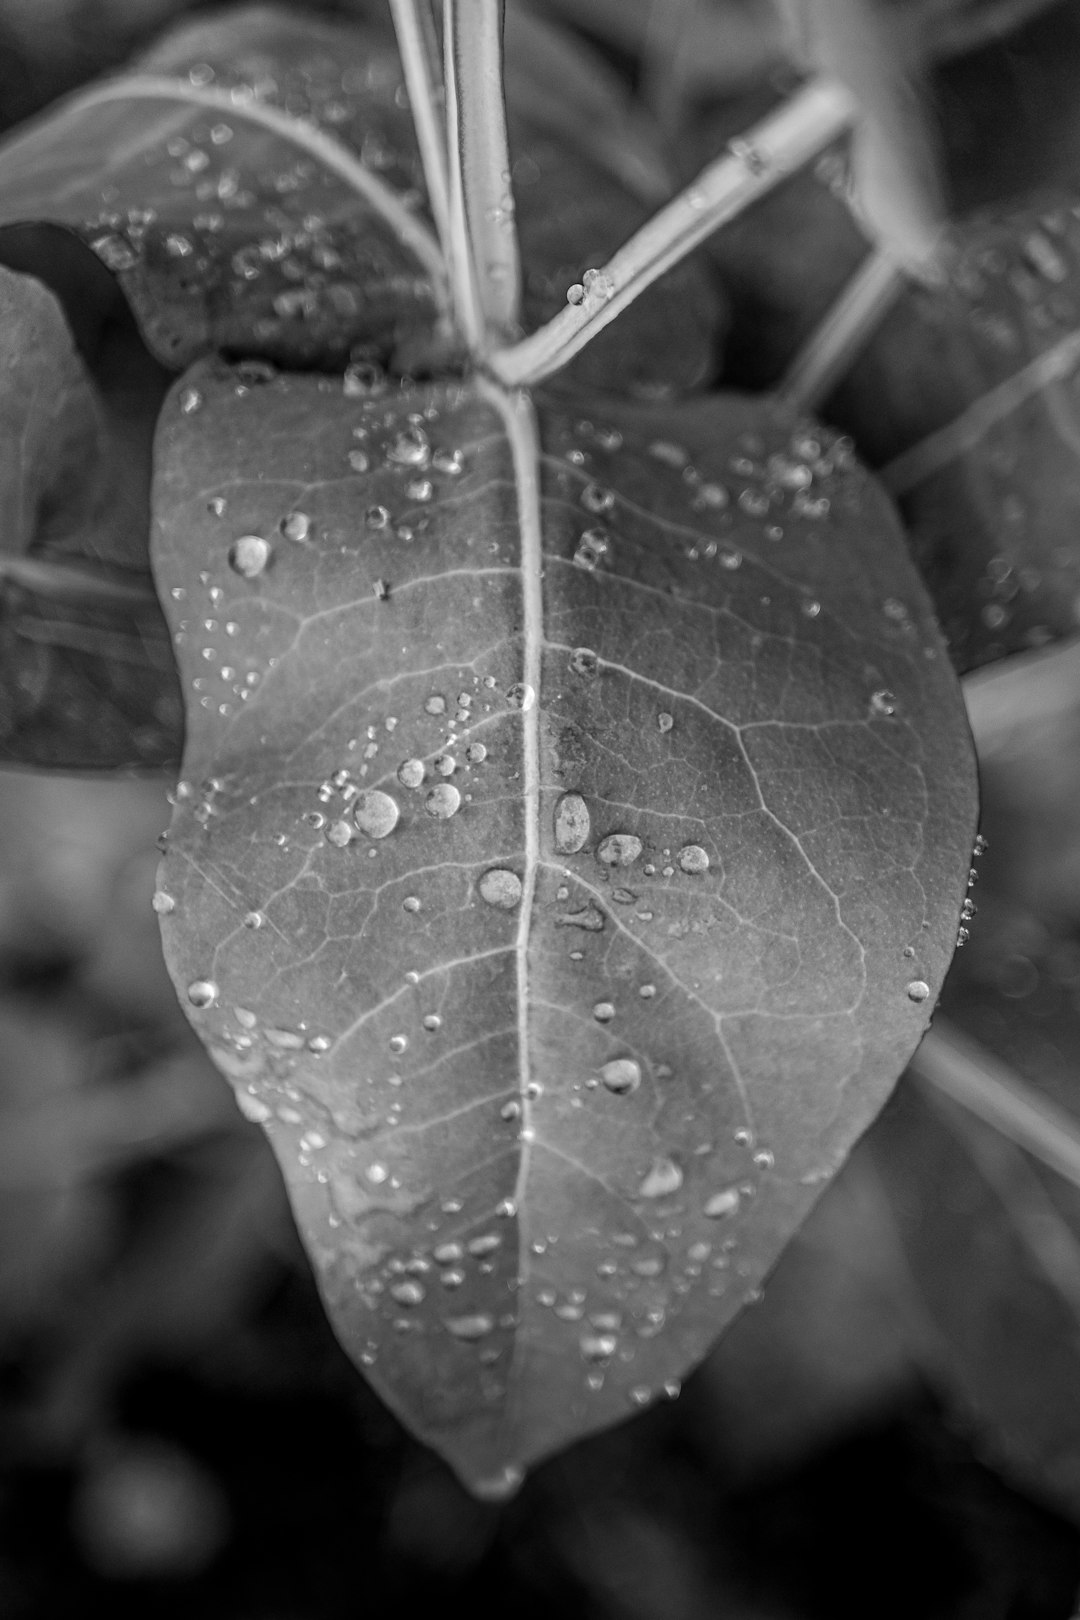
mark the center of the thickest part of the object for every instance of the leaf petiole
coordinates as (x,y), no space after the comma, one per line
(773,149)
(846,326)
(418,48)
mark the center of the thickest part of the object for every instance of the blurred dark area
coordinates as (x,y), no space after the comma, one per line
(179,1432)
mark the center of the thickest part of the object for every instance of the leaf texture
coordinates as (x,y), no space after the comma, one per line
(570,846)
(968,395)
(86,665)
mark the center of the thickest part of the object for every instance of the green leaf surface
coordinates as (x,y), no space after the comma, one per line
(572,834)
(86,665)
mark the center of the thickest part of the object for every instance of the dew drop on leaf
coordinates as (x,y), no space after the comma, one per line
(358,461)
(918,990)
(202,992)
(477,1326)
(621,1075)
(410,448)
(619,849)
(377,517)
(445,764)
(407,1292)
(442,801)
(410,773)
(664,1178)
(573,824)
(723,1203)
(163,903)
(376,813)
(190,401)
(596,499)
(883,703)
(500,887)
(435,704)
(339,833)
(692,858)
(520,696)
(599,1346)
(664,721)
(604,1012)
(249,555)
(476,753)
(592,548)
(253,919)
(583,661)
(296,526)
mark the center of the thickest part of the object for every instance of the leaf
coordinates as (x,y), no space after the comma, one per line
(85,660)
(547,895)
(968,395)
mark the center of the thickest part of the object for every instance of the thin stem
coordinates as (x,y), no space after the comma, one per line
(963,1070)
(482,204)
(846,326)
(300,132)
(412,23)
(773,149)
(1006,699)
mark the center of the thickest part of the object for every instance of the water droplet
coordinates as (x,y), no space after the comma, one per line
(583,661)
(339,833)
(202,992)
(435,704)
(410,448)
(499,1487)
(723,1203)
(359,461)
(500,887)
(431,1022)
(619,849)
(603,1012)
(377,1174)
(664,1178)
(573,824)
(918,990)
(521,696)
(253,919)
(163,903)
(445,764)
(249,555)
(296,526)
(362,380)
(692,858)
(410,903)
(593,546)
(408,1292)
(442,801)
(190,401)
(598,1346)
(447,1253)
(664,721)
(375,813)
(477,1326)
(410,773)
(596,499)
(398,1044)
(476,753)
(883,703)
(621,1075)
(764,1158)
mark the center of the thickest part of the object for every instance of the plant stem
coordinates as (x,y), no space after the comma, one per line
(483,236)
(1007,699)
(753,165)
(300,132)
(413,25)
(830,350)
(962,1069)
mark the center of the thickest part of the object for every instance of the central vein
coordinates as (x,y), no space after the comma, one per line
(516,412)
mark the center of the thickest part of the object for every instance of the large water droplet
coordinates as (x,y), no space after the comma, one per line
(621,1075)
(521,696)
(163,903)
(723,1203)
(573,824)
(918,990)
(692,858)
(664,1178)
(296,526)
(500,887)
(202,992)
(410,448)
(442,801)
(249,555)
(410,773)
(375,813)
(619,849)
(407,1292)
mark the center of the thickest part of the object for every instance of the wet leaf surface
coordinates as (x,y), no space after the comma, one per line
(565,918)
(968,395)
(85,660)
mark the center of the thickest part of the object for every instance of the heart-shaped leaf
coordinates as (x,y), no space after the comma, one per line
(570,849)
(86,664)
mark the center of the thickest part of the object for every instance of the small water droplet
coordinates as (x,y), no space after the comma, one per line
(476,1326)
(664,721)
(339,833)
(596,499)
(410,903)
(360,461)
(445,764)
(598,1346)
(190,401)
(593,546)
(664,1178)
(583,661)
(764,1158)
(362,380)
(435,704)
(619,849)
(692,858)
(520,696)
(408,1292)
(918,990)
(163,903)
(398,1044)
(572,824)
(410,773)
(883,703)
(723,1203)
(500,887)
(431,1022)
(202,992)
(377,1174)
(296,526)
(621,1075)
(249,555)
(253,919)
(603,1012)
(410,449)
(442,801)
(375,813)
